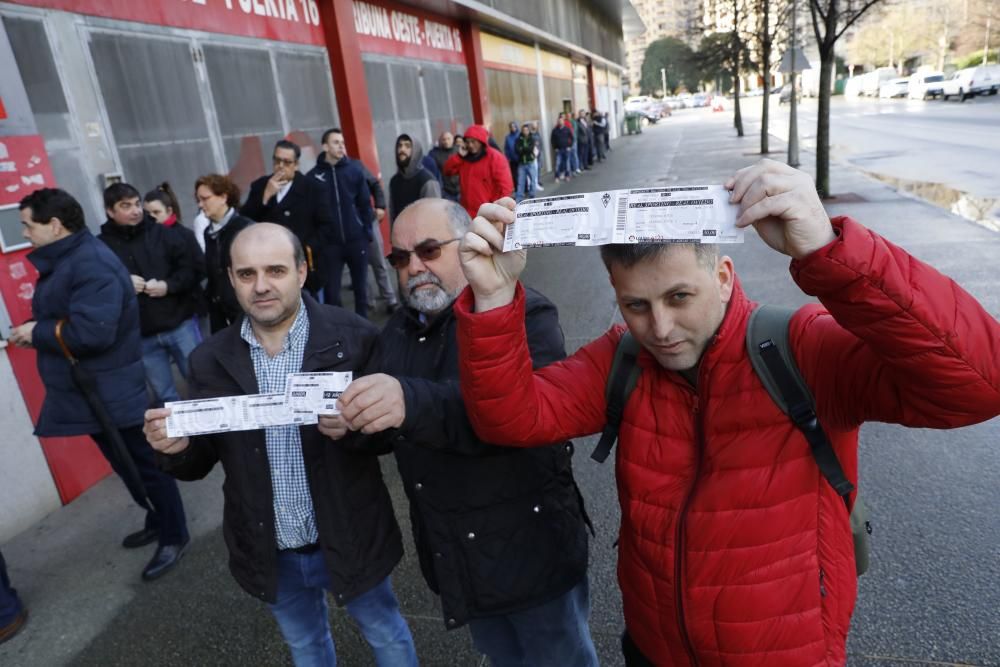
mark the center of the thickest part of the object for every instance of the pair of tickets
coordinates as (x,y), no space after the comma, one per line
(306,397)
(684,213)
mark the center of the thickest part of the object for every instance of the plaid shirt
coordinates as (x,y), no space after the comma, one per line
(294,519)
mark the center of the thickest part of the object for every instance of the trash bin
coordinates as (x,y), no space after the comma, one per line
(633,123)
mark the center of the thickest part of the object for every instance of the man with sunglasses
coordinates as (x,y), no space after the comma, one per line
(288,198)
(501,534)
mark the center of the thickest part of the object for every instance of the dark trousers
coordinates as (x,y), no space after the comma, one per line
(167,516)
(10,605)
(633,656)
(355,255)
(584,151)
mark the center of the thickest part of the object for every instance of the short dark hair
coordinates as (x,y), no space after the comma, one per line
(117,192)
(332,130)
(627,255)
(291,145)
(49,203)
(220,185)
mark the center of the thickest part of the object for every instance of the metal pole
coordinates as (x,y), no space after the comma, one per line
(663,78)
(793,121)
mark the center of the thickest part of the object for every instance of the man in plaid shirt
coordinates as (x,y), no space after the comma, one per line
(302,516)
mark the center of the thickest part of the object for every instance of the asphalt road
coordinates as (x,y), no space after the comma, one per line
(931,597)
(952,143)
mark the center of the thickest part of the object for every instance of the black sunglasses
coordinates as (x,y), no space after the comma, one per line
(426,250)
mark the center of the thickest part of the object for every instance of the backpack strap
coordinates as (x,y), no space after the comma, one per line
(621,381)
(772,360)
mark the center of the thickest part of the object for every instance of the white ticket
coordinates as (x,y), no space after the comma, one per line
(688,213)
(316,393)
(209,415)
(264,410)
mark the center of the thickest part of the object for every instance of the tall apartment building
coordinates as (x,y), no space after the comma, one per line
(663,18)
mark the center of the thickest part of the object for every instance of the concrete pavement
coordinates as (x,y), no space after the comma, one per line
(931,597)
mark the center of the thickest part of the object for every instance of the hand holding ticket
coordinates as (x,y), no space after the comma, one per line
(688,213)
(307,395)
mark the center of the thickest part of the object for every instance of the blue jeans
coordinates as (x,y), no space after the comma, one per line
(10,604)
(563,163)
(554,633)
(159,350)
(525,181)
(574,158)
(303,617)
(535,168)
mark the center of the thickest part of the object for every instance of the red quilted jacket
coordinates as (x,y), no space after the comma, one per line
(734,550)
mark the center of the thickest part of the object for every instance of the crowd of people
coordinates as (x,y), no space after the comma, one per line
(499,524)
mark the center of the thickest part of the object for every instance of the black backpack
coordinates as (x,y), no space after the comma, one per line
(772,360)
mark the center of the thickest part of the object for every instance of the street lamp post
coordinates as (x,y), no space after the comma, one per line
(793,121)
(663,79)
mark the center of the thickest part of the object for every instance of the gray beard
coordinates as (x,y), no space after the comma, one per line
(428,301)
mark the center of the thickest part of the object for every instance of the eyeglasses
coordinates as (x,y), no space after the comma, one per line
(283,161)
(426,250)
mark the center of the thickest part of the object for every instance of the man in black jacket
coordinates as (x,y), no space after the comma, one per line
(501,533)
(302,516)
(165,275)
(287,198)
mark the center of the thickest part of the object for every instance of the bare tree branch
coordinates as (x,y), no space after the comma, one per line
(848,22)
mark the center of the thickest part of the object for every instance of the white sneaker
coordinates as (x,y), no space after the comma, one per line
(539,188)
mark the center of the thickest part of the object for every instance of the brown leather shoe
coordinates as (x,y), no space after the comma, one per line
(8,631)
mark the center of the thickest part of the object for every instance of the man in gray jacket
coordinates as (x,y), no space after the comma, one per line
(412,181)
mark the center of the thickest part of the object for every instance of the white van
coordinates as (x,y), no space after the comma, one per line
(972,81)
(925,84)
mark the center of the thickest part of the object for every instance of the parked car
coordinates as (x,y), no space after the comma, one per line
(894,88)
(645,106)
(972,81)
(701,100)
(924,85)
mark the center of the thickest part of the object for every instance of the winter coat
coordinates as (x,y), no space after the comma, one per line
(440,156)
(350,199)
(305,210)
(733,546)
(562,137)
(411,182)
(358,534)
(152,251)
(497,530)
(484,177)
(219,290)
(525,149)
(82,282)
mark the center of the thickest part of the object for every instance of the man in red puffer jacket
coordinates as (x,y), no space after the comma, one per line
(734,549)
(483,171)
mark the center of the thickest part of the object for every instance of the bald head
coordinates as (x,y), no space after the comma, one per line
(429,212)
(263,234)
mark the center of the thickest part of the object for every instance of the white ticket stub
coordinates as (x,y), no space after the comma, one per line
(316,393)
(686,213)
(264,410)
(209,415)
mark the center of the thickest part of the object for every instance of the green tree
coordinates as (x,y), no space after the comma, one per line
(724,55)
(674,56)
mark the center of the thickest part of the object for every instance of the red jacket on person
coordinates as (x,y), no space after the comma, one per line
(485,179)
(734,549)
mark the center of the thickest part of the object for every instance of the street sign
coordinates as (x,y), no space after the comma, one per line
(801,62)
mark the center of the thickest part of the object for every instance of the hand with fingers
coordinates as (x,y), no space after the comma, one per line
(492,273)
(373,403)
(782,205)
(333,426)
(155,428)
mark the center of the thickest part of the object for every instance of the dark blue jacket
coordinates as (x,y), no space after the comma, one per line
(510,146)
(350,199)
(83,282)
